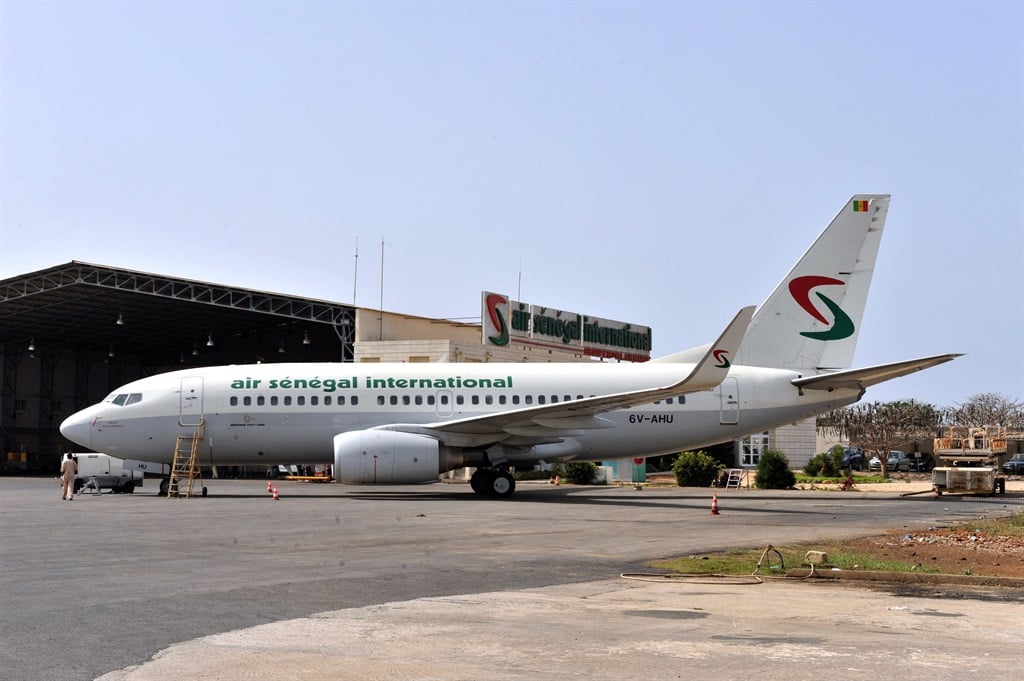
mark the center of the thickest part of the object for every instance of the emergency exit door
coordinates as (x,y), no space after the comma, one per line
(729,392)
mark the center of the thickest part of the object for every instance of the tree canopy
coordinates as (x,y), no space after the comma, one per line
(882,426)
(987,410)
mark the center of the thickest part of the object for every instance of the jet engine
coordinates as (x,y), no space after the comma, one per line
(385,457)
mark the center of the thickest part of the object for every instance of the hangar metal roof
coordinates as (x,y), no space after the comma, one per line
(162,320)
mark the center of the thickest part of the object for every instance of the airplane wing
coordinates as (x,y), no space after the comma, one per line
(865,378)
(551,422)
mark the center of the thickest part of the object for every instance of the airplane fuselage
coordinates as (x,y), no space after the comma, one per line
(290,413)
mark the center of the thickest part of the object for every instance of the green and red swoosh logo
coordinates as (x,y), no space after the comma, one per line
(722,357)
(497,318)
(842,326)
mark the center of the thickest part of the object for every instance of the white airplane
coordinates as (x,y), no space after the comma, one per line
(410,423)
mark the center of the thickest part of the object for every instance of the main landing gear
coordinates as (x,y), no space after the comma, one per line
(490,482)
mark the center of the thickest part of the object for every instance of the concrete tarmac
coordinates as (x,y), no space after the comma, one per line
(435,582)
(617,629)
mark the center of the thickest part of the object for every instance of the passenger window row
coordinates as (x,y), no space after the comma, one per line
(513,400)
(395,400)
(298,400)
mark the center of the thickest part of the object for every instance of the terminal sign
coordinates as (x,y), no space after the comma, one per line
(508,321)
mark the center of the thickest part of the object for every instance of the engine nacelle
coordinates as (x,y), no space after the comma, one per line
(385,457)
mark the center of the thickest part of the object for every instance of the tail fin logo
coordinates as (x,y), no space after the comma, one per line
(722,357)
(842,325)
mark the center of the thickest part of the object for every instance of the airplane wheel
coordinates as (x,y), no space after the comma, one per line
(204,491)
(164,486)
(502,486)
(481,480)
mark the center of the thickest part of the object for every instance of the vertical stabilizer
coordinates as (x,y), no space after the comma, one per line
(811,320)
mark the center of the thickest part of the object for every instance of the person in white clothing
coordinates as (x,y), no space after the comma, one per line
(68,470)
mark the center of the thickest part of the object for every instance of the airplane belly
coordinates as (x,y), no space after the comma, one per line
(274,438)
(654,433)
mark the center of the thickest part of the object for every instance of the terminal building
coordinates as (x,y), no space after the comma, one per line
(72,333)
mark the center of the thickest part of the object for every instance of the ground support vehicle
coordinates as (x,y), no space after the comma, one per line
(976,447)
(97,472)
(972,458)
(967,480)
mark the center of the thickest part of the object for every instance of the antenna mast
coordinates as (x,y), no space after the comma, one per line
(381,328)
(519,285)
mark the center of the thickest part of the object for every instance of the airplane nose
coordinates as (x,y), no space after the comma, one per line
(78,428)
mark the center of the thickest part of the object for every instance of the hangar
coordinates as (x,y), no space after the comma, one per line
(71,333)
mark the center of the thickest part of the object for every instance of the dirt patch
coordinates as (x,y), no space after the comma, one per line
(954,551)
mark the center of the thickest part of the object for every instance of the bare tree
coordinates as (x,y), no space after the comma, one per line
(987,410)
(881,426)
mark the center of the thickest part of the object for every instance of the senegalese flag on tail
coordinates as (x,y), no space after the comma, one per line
(860,206)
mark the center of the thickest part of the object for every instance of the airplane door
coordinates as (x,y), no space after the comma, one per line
(729,393)
(190,406)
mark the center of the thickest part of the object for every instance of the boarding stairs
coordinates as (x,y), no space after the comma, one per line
(185,469)
(735,478)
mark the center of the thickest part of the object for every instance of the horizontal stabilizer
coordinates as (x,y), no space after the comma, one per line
(865,378)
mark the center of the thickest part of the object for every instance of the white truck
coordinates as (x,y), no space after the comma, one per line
(97,472)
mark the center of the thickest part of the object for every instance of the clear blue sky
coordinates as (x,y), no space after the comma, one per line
(658,163)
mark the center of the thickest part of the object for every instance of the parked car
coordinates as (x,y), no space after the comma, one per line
(853,458)
(916,462)
(1014,466)
(895,456)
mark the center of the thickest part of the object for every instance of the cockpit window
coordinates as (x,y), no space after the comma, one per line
(126,398)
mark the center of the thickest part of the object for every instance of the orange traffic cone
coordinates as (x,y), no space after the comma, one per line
(558,481)
(936,493)
(714,504)
(275,494)
(270,487)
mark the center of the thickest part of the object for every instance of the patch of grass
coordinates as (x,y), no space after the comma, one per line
(744,561)
(1012,526)
(802,478)
(865,561)
(737,562)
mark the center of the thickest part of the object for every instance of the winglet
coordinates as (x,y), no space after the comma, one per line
(714,366)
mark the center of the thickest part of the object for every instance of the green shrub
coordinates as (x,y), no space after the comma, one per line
(813,467)
(695,469)
(580,472)
(835,460)
(773,471)
(827,465)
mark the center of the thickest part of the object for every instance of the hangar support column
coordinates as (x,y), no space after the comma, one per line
(45,428)
(8,397)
